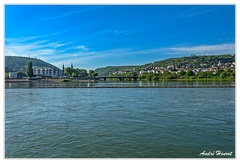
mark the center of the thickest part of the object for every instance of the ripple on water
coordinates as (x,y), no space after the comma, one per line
(133,123)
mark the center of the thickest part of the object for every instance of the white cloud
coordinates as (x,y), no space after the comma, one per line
(226,48)
(81,47)
(67,14)
(195,12)
(58,53)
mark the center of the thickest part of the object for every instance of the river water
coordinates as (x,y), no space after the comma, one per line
(162,83)
(119,123)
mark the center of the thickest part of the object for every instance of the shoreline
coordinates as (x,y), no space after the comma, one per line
(74,80)
(212,86)
(56,83)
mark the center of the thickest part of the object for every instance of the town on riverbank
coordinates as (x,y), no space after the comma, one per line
(215,67)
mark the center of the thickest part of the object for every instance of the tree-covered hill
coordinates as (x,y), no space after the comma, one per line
(105,71)
(196,61)
(191,61)
(16,63)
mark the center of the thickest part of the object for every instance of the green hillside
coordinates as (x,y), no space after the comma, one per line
(190,61)
(105,71)
(15,63)
(196,61)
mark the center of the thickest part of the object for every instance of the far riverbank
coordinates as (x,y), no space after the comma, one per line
(80,80)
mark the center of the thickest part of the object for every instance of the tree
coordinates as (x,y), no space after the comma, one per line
(190,73)
(68,71)
(149,76)
(29,71)
(218,71)
(209,74)
(174,76)
(182,72)
(74,74)
(202,75)
(166,73)
(233,73)
(90,72)
(134,74)
(82,72)
(94,74)
(155,77)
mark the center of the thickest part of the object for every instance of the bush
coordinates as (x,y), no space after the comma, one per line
(155,77)
(193,77)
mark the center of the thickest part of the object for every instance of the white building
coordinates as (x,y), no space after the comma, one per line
(48,72)
(13,75)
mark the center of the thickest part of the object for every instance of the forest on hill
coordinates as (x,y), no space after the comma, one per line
(196,61)
(16,63)
(105,71)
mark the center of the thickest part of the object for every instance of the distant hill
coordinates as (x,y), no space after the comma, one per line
(16,63)
(196,61)
(105,71)
(190,61)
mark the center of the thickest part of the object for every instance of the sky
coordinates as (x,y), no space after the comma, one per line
(94,36)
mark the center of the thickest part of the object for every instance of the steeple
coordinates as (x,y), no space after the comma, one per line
(63,70)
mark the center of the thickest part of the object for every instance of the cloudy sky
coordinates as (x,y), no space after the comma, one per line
(93,36)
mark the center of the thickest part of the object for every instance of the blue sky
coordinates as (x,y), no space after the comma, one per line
(93,36)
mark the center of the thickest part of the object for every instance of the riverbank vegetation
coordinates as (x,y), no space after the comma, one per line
(76,72)
(220,74)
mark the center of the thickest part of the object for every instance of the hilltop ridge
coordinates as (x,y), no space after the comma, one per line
(17,63)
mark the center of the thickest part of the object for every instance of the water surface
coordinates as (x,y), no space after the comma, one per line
(131,123)
(162,83)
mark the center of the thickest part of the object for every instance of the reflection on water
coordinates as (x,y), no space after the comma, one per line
(163,83)
(118,123)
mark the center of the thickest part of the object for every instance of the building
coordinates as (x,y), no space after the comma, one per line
(13,75)
(220,64)
(48,72)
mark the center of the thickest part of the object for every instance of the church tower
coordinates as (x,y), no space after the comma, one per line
(63,70)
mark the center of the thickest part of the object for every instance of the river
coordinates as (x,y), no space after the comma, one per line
(101,84)
(119,123)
